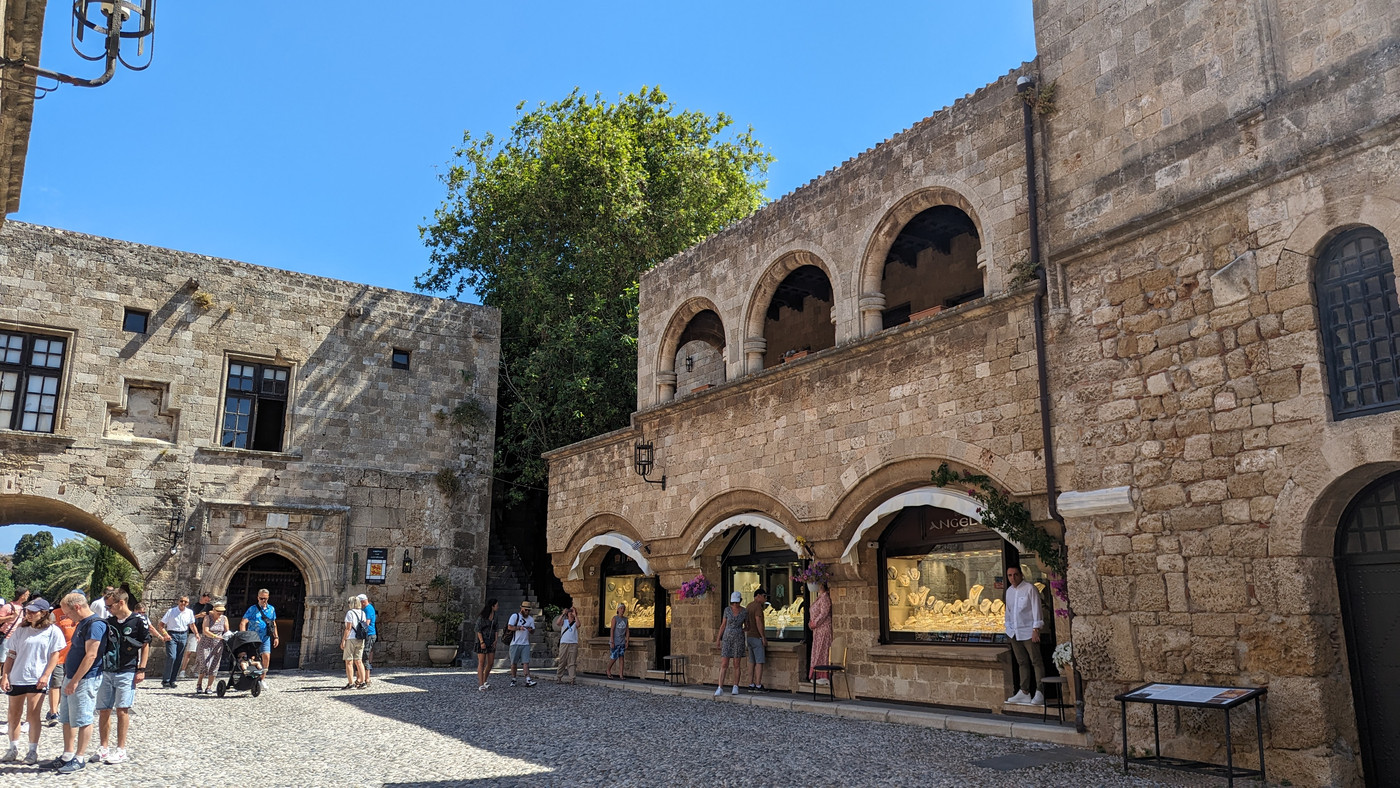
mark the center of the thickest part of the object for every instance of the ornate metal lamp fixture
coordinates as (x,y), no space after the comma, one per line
(111,22)
(644,460)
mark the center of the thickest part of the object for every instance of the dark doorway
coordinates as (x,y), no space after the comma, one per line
(286,592)
(1368,576)
(662,630)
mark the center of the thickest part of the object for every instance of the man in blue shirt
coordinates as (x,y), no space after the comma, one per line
(83,667)
(262,619)
(372,615)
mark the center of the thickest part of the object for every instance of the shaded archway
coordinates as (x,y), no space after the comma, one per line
(931,265)
(287,593)
(1368,578)
(79,514)
(691,353)
(798,319)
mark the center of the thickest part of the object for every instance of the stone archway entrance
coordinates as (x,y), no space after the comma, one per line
(287,589)
(1368,577)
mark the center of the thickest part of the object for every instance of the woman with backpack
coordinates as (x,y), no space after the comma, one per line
(485,644)
(352,645)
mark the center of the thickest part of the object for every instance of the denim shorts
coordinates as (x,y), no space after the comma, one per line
(520,653)
(266,645)
(117,691)
(75,710)
(757,651)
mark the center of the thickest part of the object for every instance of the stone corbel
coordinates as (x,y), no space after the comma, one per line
(872,308)
(754,348)
(1091,503)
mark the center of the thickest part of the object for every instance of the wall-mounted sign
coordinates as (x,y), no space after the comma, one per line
(377,565)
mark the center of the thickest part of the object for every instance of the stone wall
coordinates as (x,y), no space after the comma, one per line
(138,437)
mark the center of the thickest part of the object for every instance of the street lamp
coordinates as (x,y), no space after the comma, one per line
(110,22)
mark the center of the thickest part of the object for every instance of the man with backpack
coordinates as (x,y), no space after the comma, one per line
(352,645)
(125,649)
(372,616)
(521,625)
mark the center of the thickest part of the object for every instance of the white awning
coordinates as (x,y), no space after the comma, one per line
(632,549)
(941,497)
(755,519)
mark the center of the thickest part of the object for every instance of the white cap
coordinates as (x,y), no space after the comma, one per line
(362,598)
(736,597)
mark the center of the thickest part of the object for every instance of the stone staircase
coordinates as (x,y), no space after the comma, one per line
(505,583)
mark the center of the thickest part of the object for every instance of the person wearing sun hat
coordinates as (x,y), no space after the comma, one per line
(520,626)
(211,637)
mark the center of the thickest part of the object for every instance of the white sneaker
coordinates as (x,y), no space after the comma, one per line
(1037,700)
(117,755)
(823,682)
(734,691)
(719,691)
(1019,697)
(11,755)
(32,758)
(97,755)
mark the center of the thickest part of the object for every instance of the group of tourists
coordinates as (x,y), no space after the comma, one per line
(521,625)
(88,659)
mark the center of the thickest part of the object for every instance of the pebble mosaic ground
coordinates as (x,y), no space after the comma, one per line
(432,729)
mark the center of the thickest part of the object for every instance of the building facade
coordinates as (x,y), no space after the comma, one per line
(228,427)
(1215,196)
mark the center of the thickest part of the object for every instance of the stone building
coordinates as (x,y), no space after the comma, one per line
(228,427)
(1216,187)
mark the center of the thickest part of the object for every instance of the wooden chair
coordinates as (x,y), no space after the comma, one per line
(837,659)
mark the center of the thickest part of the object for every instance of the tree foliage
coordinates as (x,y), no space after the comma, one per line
(75,564)
(31,545)
(553,225)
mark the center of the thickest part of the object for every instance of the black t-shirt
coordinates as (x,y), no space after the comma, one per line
(200,608)
(121,647)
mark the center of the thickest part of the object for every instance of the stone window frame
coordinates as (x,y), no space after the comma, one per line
(287,416)
(31,332)
(144,314)
(1334,351)
(604,572)
(765,558)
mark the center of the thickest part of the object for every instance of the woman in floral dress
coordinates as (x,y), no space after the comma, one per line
(820,623)
(730,641)
(211,648)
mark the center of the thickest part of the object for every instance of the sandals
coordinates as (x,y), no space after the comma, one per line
(351,685)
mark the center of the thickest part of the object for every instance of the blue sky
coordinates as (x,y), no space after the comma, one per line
(10,534)
(309,137)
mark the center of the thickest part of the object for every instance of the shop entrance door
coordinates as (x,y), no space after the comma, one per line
(662,630)
(1368,576)
(286,593)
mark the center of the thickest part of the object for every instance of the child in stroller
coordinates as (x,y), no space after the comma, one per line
(245,669)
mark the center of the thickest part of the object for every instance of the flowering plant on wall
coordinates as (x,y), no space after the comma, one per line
(816,572)
(695,588)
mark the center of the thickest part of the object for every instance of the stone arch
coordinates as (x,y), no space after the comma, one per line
(77,509)
(319,583)
(938,191)
(596,535)
(1317,228)
(727,505)
(1305,521)
(755,343)
(671,341)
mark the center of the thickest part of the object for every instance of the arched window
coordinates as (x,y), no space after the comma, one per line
(1360,320)
(798,320)
(932,265)
(621,582)
(700,356)
(942,576)
(757,559)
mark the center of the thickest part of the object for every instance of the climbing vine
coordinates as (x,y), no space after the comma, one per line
(1010,517)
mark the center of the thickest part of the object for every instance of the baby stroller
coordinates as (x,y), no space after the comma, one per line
(245,672)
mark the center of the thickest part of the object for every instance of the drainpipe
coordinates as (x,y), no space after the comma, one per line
(1024,84)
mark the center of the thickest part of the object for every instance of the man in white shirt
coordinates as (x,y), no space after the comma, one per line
(174,629)
(1023,625)
(567,627)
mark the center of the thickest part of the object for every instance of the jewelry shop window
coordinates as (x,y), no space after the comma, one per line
(622,582)
(756,558)
(941,578)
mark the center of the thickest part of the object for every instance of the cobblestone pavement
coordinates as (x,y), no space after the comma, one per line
(432,729)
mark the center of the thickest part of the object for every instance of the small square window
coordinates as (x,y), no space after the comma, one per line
(400,359)
(135,321)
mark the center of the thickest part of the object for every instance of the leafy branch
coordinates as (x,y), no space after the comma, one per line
(1008,516)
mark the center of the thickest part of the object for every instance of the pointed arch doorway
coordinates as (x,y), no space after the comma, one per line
(287,593)
(1368,577)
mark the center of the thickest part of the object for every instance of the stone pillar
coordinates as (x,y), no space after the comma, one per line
(665,386)
(754,348)
(872,307)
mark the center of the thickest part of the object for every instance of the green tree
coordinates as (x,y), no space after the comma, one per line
(63,569)
(553,225)
(110,569)
(7,583)
(31,545)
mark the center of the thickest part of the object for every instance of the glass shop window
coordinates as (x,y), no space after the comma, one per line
(942,576)
(756,558)
(255,406)
(622,582)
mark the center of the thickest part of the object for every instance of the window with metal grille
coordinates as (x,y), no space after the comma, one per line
(255,406)
(1372,522)
(1360,322)
(31,367)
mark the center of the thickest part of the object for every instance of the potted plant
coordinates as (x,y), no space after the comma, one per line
(444,646)
(816,573)
(695,587)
